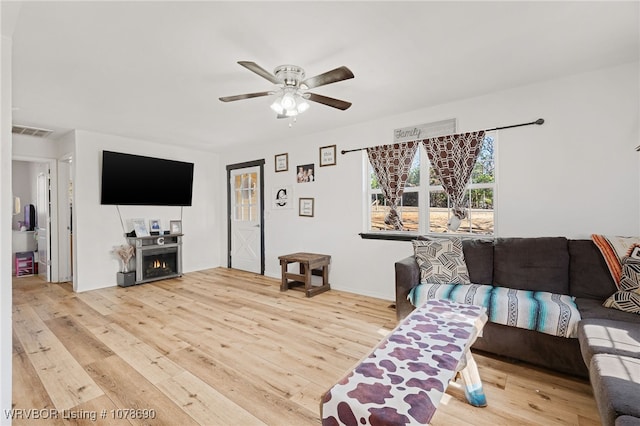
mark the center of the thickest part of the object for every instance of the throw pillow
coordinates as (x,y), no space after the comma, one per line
(630,280)
(627,301)
(441,261)
(615,249)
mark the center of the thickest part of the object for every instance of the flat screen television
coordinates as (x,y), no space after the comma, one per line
(129,179)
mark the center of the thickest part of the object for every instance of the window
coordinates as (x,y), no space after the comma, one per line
(425,205)
(409,206)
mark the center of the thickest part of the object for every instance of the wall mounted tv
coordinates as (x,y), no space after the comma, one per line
(145,181)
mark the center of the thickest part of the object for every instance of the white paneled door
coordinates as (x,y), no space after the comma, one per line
(43,212)
(246,219)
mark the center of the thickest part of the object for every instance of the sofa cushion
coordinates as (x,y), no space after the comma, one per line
(601,336)
(478,255)
(537,264)
(588,273)
(441,261)
(591,308)
(616,385)
(627,421)
(551,352)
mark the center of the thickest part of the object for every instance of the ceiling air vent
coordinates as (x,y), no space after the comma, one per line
(31,131)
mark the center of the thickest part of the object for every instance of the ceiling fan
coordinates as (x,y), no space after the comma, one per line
(292,95)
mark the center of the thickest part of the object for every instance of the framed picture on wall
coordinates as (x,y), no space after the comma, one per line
(282,197)
(328,156)
(305,207)
(282,162)
(306,173)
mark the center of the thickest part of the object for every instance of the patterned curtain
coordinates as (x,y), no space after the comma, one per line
(391,164)
(453,158)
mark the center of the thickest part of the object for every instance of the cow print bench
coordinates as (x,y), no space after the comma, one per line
(402,380)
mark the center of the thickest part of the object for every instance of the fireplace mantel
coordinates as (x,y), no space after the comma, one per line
(158,257)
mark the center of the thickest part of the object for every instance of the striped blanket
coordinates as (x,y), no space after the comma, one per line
(541,311)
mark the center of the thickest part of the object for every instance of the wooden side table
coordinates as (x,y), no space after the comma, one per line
(310,264)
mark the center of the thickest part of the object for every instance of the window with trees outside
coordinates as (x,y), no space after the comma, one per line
(425,205)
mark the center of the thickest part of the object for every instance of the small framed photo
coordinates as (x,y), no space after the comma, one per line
(282,162)
(154,225)
(306,173)
(305,207)
(175,227)
(140,227)
(328,156)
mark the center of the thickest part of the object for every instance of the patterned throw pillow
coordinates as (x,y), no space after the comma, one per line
(627,301)
(441,261)
(628,298)
(630,280)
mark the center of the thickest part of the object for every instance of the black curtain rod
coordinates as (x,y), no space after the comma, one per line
(539,121)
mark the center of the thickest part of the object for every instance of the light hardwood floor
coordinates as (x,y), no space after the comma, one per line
(223,347)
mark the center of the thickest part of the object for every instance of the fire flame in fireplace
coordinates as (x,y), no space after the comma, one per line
(157,264)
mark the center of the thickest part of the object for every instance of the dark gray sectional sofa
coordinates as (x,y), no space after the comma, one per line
(607,349)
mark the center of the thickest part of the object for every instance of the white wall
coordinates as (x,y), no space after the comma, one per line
(22,183)
(6,204)
(97,228)
(31,148)
(573,176)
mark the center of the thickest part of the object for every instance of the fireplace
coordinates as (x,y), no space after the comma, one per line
(159,263)
(158,257)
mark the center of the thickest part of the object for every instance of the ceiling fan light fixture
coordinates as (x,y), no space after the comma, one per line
(276,106)
(288,101)
(303,105)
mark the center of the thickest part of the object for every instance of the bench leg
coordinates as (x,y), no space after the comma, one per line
(472,383)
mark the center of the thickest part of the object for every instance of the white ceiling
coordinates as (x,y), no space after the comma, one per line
(155,70)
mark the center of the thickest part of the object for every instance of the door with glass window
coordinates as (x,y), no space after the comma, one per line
(246,249)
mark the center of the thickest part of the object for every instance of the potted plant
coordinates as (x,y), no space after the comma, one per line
(125,277)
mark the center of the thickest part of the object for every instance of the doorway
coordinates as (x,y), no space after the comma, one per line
(245,210)
(34,182)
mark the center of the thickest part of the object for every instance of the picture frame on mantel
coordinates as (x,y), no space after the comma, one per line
(140,227)
(154,225)
(175,227)
(328,156)
(282,162)
(305,207)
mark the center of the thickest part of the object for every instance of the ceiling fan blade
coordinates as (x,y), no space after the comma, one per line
(252,66)
(245,96)
(332,102)
(333,76)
